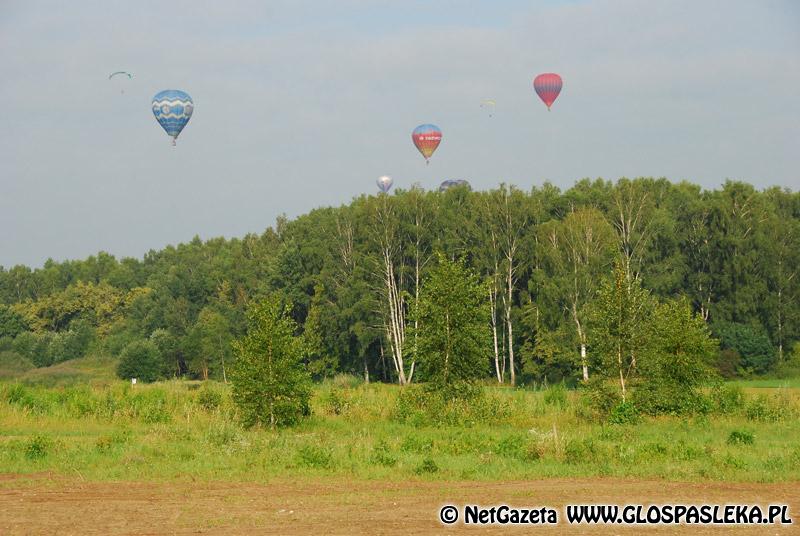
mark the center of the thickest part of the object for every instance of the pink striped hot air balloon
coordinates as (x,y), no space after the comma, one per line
(547,86)
(426,139)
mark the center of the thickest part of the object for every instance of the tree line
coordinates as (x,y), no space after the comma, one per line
(552,266)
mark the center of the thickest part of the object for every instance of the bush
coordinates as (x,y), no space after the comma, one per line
(210,399)
(458,404)
(600,397)
(556,396)
(38,447)
(740,437)
(140,360)
(624,413)
(727,399)
(382,455)
(667,398)
(426,467)
(314,456)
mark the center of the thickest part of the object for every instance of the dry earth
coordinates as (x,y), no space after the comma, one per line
(51,504)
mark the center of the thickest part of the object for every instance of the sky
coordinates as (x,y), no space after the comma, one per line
(301,104)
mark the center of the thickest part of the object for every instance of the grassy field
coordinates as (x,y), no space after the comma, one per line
(183,430)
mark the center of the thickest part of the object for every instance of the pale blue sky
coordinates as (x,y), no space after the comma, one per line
(300,104)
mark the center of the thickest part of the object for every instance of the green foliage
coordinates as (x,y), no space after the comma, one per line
(752,344)
(453,320)
(11,323)
(209,398)
(461,404)
(38,447)
(382,455)
(732,252)
(426,467)
(140,360)
(741,437)
(270,385)
(624,413)
(728,399)
(314,456)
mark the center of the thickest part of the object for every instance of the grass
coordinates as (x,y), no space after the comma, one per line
(174,430)
(92,369)
(771,383)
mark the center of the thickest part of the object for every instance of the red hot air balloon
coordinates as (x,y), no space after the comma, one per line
(547,86)
(426,138)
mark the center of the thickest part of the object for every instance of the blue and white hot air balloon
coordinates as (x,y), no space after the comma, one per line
(173,109)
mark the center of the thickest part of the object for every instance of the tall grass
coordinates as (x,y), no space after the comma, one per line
(175,430)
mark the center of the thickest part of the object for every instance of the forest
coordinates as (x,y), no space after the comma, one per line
(546,262)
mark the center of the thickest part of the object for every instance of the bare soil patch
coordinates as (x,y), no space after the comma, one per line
(48,504)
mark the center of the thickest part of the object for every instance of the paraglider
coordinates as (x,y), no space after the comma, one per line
(548,86)
(384,183)
(121,74)
(173,109)
(426,138)
(488,105)
(454,183)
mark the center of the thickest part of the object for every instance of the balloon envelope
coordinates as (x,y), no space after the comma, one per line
(384,183)
(426,138)
(173,109)
(548,86)
(453,183)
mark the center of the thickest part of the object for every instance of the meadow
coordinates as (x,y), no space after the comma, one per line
(181,430)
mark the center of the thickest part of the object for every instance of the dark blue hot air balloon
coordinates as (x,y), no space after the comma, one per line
(454,183)
(173,109)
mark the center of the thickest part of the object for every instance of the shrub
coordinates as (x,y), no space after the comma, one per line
(740,437)
(624,413)
(556,396)
(668,398)
(457,404)
(727,398)
(210,399)
(426,467)
(382,455)
(599,396)
(141,360)
(38,447)
(314,456)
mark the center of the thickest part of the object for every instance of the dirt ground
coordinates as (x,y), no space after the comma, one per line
(51,504)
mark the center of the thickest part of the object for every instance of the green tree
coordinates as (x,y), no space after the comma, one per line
(270,383)
(751,343)
(11,323)
(454,337)
(140,360)
(619,318)
(675,360)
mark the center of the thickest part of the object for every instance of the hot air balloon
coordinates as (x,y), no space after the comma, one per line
(547,86)
(384,183)
(426,138)
(121,74)
(173,109)
(488,105)
(454,183)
